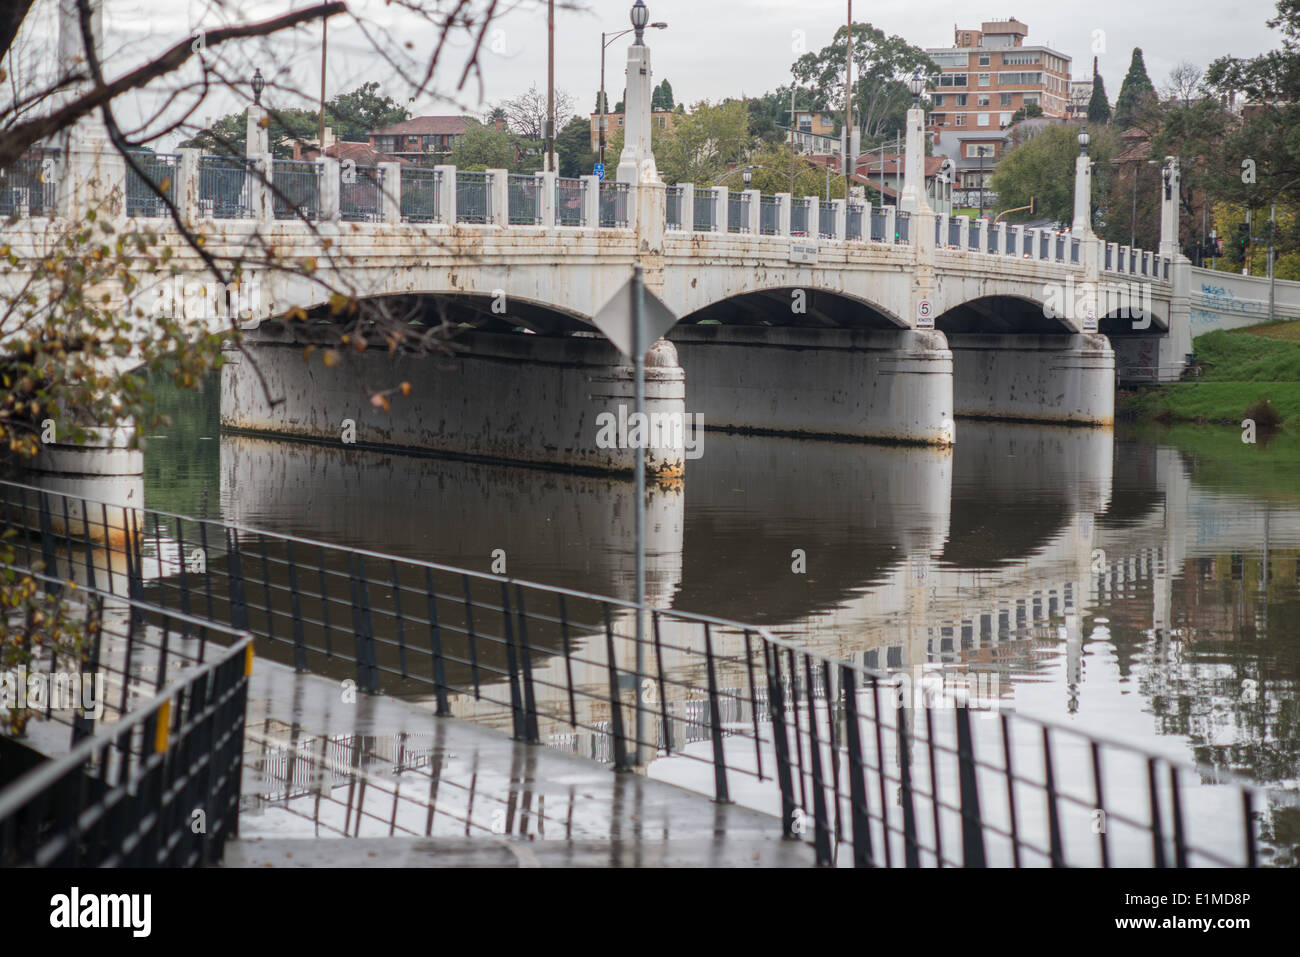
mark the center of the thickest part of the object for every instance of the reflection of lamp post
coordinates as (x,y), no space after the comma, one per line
(602,107)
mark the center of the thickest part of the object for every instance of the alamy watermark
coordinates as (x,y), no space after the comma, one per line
(651,430)
(56,691)
(1086,300)
(930,686)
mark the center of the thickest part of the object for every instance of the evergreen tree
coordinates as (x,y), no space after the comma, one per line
(1099,105)
(1136,91)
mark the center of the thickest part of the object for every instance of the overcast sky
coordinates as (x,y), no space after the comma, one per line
(711,49)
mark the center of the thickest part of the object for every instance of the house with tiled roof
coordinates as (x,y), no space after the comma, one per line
(423,140)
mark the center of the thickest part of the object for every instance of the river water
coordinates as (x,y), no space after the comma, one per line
(1143,586)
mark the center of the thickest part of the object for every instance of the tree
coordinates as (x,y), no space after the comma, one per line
(881,66)
(701,144)
(1136,93)
(1184,82)
(1041,167)
(482,147)
(662,97)
(573,148)
(1026,112)
(774,176)
(526,113)
(354,115)
(1098,104)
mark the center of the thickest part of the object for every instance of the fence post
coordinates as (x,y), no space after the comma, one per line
(814,207)
(499,191)
(780,744)
(783,214)
(447,201)
(891,223)
(688,207)
(963,233)
(329,190)
(591,202)
(859,812)
(546,198)
(755,224)
(721,794)
(259,192)
(187,185)
(721,209)
(840,229)
(1018,240)
(983,225)
(972,824)
(391,195)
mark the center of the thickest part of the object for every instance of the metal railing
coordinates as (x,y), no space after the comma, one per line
(903,227)
(799,208)
(226,187)
(853,217)
(614,204)
(296,191)
(421,195)
(473,197)
(996,242)
(160,169)
(524,199)
(706,212)
(737,212)
(973,235)
(866,774)
(954,232)
(674,211)
(826,220)
(880,225)
(1060,248)
(29,186)
(570,201)
(1075,250)
(361,194)
(769,215)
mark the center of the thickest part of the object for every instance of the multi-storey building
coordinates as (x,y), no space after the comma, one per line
(423,140)
(990,73)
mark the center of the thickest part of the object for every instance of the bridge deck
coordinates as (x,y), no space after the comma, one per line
(394,785)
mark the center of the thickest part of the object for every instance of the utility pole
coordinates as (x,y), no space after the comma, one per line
(320,126)
(1272,282)
(792,139)
(848,104)
(550,86)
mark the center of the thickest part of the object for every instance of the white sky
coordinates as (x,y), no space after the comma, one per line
(711,49)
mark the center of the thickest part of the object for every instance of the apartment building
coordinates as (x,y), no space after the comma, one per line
(660,121)
(424,140)
(990,73)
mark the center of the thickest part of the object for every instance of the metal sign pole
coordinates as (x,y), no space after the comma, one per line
(638,362)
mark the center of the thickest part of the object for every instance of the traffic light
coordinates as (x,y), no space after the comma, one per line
(1243,235)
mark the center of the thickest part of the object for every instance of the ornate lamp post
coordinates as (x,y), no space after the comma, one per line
(602,107)
(259,84)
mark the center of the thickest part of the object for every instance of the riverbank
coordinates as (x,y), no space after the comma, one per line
(1245,373)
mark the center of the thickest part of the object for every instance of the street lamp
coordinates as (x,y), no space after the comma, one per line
(748,176)
(602,107)
(259,84)
(982,151)
(640,17)
(917,86)
(1084,140)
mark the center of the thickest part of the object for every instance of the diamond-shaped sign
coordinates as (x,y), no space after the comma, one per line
(615,319)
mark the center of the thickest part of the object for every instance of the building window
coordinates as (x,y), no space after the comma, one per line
(984,59)
(984,79)
(1004,99)
(960,98)
(960,120)
(982,100)
(952,79)
(1004,118)
(983,119)
(1030,98)
(938,99)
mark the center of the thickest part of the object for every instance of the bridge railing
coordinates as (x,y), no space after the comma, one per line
(570,201)
(799,210)
(29,185)
(706,211)
(473,197)
(226,187)
(297,189)
(420,199)
(769,214)
(525,199)
(737,212)
(160,169)
(863,765)
(675,198)
(826,224)
(361,194)
(614,199)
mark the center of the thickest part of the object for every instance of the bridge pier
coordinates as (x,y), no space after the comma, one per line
(888,385)
(557,401)
(1034,378)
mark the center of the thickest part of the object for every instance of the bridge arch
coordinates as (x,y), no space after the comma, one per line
(482,311)
(798,307)
(1000,315)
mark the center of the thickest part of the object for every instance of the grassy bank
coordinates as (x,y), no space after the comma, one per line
(1240,371)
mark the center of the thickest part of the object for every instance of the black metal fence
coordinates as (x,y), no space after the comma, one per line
(159,169)
(673,214)
(769,215)
(473,197)
(799,216)
(420,199)
(361,193)
(853,217)
(614,198)
(867,771)
(296,188)
(706,211)
(226,187)
(129,792)
(29,185)
(570,201)
(737,212)
(826,220)
(524,200)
